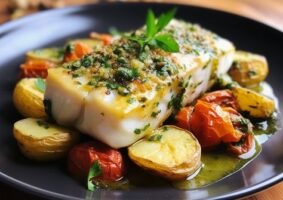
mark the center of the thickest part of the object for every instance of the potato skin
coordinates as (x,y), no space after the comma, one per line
(43,144)
(28,99)
(174,157)
(54,55)
(248,69)
(257,105)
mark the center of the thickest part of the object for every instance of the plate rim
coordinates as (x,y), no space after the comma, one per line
(31,189)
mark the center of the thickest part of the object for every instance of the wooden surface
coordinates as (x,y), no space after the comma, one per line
(267,11)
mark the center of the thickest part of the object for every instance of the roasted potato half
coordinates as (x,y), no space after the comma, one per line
(257,105)
(28,98)
(93,43)
(54,55)
(42,141)
(248,69)
(169,152)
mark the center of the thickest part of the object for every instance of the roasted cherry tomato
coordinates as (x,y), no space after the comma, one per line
(76,51)
(243,146)
(212,125)
(224,98)
(245,127)
(35,68)
(82,156)
(183,117)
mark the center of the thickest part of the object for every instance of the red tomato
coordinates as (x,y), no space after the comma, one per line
(245,127)
(224,98)
(212,125)
(82,156)
(80,49)
(35,68)
(243,146)
(183,117)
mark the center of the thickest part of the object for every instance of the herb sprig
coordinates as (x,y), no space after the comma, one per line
(95,170)
(154,26)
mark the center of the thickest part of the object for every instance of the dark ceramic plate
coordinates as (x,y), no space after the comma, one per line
(53,27)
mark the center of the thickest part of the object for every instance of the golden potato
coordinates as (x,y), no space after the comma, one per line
(93,43)
(257,105)
(248,69)
(28,99)
(54,55)
(42,141)
(169,151)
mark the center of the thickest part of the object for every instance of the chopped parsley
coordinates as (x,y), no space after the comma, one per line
(138,130)
(244,124)
(40,84)
(126,74)
(87,61)
(69,48)
(165,128)
(123,91)
(112,86)
(155,138)
(131,100)
(42,123)
(75,75)
(154,114)
(252,73)
(176,102)
(94,171)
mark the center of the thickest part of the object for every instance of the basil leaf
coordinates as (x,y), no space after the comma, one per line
(40,84)
(94,171)
(165,18)
(150,24)
(167,43)
(140,41)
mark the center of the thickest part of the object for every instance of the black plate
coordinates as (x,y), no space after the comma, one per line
(55,26)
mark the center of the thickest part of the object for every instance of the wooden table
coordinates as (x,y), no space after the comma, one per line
(267,11)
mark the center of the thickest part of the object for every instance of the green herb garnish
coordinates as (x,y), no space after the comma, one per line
(43,124)
(94,171)
(131,100)
(155,138)
(154,114)
(126,74)
(69,48)
(154,26)
(165,128)
(40,84)
(138,130)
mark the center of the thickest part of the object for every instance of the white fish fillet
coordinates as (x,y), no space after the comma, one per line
(120,120)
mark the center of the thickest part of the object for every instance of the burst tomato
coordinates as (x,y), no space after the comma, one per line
(224,98)
(35,68)
(82,156)
(79,50)
(212,125)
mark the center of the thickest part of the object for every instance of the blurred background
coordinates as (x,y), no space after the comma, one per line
(267,11)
